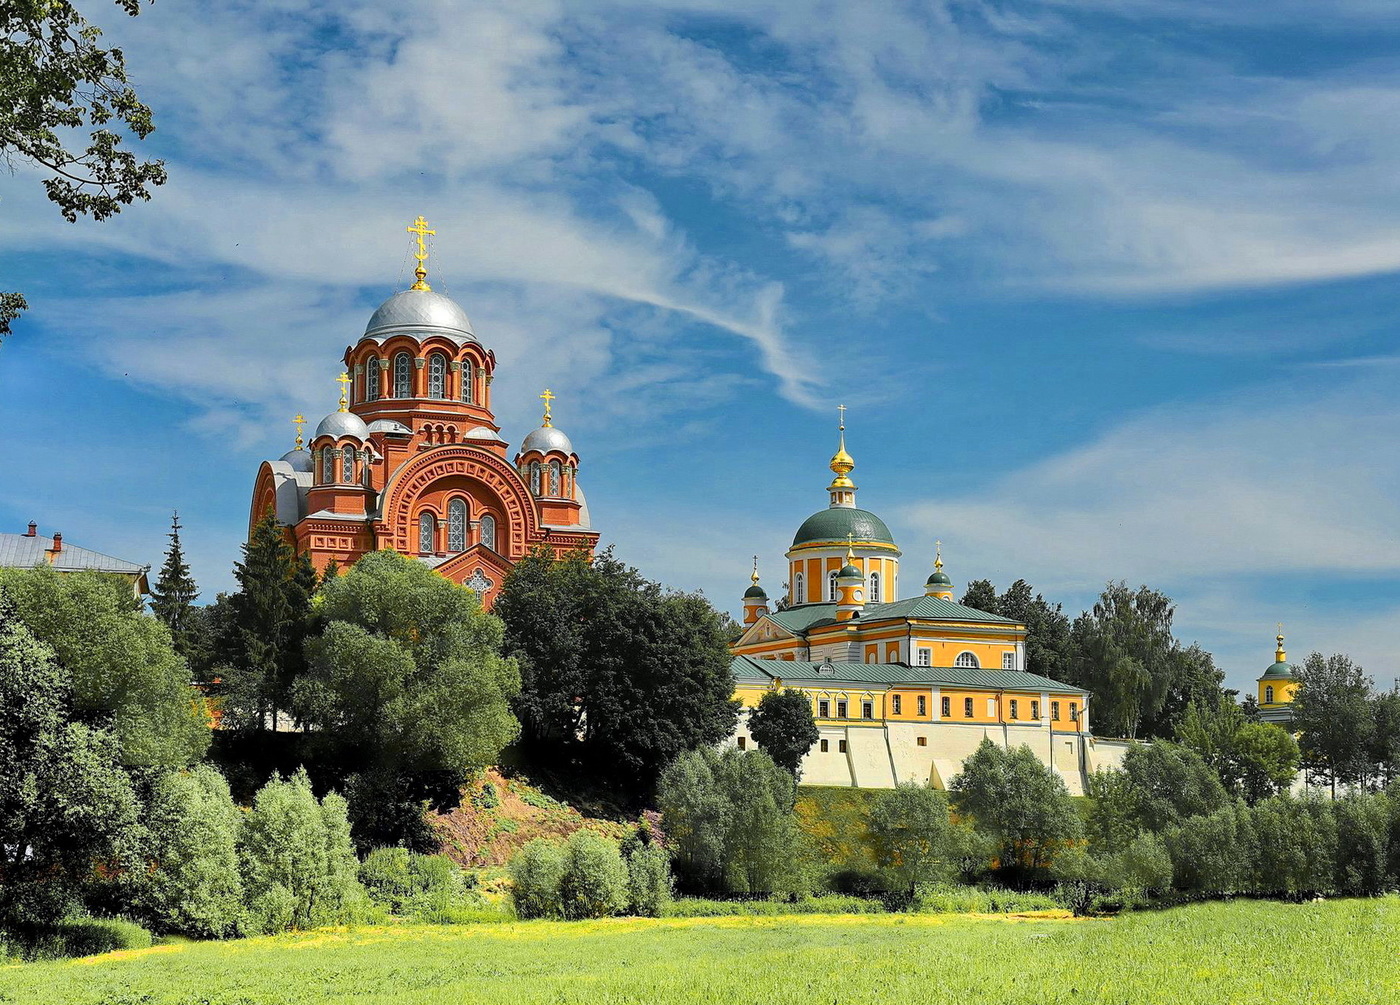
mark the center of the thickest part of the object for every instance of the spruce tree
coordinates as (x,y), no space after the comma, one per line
(270,609)
(172,599)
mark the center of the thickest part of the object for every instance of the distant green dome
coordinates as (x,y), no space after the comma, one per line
(939,579)
(1282,669)
(755,592)
(849,572)
(832,526)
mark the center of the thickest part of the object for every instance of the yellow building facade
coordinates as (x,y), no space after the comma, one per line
(901,690)
(1276,688)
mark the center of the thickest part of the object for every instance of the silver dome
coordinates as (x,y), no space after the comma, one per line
(545,439)
(391,426)
(420,310)
(339,424)
(299,459)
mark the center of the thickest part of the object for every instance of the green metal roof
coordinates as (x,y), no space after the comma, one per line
(799,620)
(831,526)
(751,670)
(1285,670)
(755,591)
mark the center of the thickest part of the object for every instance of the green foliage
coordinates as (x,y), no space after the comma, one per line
(1364,837)
(1267,760)
(426,887)
(65,802)
(12,305)
(299,869)
(728,818)
(913,836)
(193,884)
(1049,645)
(648,881)
(783,726)
(948,898)
(1385,738)
(407,689)
(1018,803)
(619,675)
(1295,846)
(123,670)
(1169,783)
(1213,853)
(595,880)
(81,936)
(536,874)
(174,594)
(1332,712)
(829,903)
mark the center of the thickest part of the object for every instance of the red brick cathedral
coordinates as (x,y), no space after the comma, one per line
(414,459)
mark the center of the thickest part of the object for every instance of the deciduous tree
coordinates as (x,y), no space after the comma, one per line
(1332,713)
(913,836)
(783,726)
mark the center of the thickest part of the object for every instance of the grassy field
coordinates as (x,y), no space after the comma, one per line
(1244,952)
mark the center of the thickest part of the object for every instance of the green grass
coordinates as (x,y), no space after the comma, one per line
(1243,953)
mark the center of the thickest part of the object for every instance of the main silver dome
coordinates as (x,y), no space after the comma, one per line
(545,439)
(340,424)
(420,311)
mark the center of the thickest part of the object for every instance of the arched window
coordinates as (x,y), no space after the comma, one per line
(468,371)
(372,379)
(554,476)
(437,375)
(347,465)
(570,474)
(966,659)
(488,531)
(831,586)
(535,477)
(427,533)
(457,525)
(799,595)
(327,465)
(1269,695)
(874,587)
(403,375)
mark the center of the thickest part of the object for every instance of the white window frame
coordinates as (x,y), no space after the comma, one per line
(965,656)
(1008,659)
(924,656)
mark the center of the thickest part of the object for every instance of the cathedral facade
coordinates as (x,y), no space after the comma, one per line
(414,460)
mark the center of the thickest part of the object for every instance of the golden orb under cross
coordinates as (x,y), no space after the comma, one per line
(299,421)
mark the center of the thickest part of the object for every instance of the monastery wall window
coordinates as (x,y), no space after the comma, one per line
(327,465)
(831,586)
(742,742)
(1269,695)
(841,746)
(427,533)
(798,594)
(437,375)
(824,746)
(372,379)
(925,656)
(874,587)
(867,710)
(457,525)
(1035,710)
(966,659)
(347,465)
(897,704)
(945,708)
(1074,711)
(824,709)
(1055,711)
(488,531)
(403,375)
(554,476)
(967,708)
(923,705)
(535,478)
(1008,661)
(840,710)
(1015,709)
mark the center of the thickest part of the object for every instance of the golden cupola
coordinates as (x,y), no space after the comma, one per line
(842,489)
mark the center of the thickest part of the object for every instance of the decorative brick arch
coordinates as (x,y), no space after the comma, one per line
(498,478)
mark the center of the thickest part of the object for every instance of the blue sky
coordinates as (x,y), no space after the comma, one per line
(1108,286)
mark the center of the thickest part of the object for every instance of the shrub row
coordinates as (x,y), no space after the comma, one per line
(589,877)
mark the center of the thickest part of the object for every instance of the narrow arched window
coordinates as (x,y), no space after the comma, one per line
(535,477)
(403,375)
(427,532)
(457,525)
(874,587)
(799,596)
(966,659)
(831,586)
(468,371)
(347,465)
(327,465)
(372,379)
(570,473)
(488,531)
(1269,695)
(437,375)
(554,475)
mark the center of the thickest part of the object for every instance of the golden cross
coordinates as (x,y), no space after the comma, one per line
(938,554)
(842,410)
(754,577)
(299,421)
(344,381)
(548,397)
(420,228)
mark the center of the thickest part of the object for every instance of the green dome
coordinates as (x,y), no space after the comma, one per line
(833,525)
(849,572)
(939,579)
(755,591)
(1282,669)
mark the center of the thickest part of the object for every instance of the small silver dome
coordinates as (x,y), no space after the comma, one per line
(545,439)
(299,459)
(420,310)
(340,424)
(483,433)
(390,426)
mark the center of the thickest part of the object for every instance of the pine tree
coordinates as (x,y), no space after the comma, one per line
(172,599)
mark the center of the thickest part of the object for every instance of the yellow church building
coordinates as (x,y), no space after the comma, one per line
(1276,688)
(902,690)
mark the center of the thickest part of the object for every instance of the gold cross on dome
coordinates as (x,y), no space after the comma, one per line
(299,421)
(344,381)
(842,410)
(548,397)
(420,229)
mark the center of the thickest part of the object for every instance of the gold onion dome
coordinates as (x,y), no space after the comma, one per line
(755,591)
(842,463)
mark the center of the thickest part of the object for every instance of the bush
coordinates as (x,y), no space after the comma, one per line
(595,879)
(76,937)
(536,873)
(952,898)
(700,907)
(193,884)
(1297,844)
(1212,853)
(386,878)
(1362,844)
(913,837)
(648,881)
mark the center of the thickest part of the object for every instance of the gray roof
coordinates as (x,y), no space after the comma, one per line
(340,424)
(746,668)
(19,551)
(545,439)
(799,620)
(298,459)
(420,312)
